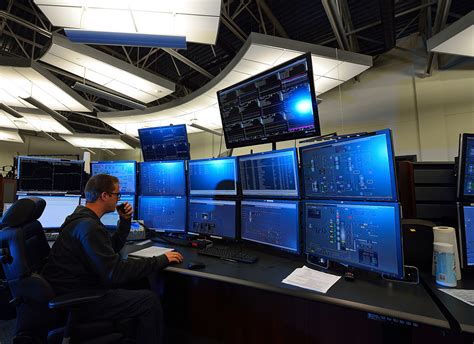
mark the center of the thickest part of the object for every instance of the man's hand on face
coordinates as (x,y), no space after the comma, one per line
(125,210)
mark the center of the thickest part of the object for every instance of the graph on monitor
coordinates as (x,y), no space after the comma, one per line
(164,143)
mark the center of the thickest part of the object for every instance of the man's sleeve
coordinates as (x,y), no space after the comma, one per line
(119,238)
(108,265)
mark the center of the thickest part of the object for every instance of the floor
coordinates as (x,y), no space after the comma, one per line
(6,331)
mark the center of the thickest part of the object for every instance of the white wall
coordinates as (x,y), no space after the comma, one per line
(425,114)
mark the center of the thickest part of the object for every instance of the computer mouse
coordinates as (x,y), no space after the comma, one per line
(196,265)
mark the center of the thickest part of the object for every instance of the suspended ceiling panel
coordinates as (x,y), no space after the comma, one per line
(34,120)
(260,52)
(198,20)
(22,78)
(107,71)
(96,141)
(10,135)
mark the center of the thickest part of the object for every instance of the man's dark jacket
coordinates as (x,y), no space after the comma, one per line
(85,256)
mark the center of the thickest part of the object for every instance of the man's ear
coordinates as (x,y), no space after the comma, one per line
(103,196)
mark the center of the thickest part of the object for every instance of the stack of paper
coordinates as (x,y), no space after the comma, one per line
(311,279)
(151,251)
(465,295)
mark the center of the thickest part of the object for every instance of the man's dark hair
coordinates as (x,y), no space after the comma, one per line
(98,184)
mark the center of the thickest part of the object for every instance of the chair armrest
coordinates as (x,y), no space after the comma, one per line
(75,299)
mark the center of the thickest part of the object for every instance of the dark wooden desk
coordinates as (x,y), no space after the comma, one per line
(247,303)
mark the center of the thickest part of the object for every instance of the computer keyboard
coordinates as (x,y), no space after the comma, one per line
(229,253)
(51,236)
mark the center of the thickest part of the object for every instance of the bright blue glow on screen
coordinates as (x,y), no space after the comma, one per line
(469,167)
(363,235)
(110,220)
(270,174)
(166,178)
(125,171)
(357,168)
(212,217)
(301,104)
(469,233)
(213,177)
(163,214)
(271,222)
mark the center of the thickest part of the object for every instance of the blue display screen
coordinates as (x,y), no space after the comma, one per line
(125,171)
(363,235)
(469,233)
(163,214)
(272,222)
(213,177)
(56,210)
(270,174)
(166,178)
(164,143)
(355,168)
(212,217)
(469,167)
(110,220)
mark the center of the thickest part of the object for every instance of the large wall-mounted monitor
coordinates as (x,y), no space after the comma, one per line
(110,220)
(45,174)
(164,143)
(271,222)
(163,178)
(466,167)
(163,213)
(56,210)
(270,174)
(354,168)
(213,218)
(213,177)
(366,235)
(466,235)
(276,105)
(125,171)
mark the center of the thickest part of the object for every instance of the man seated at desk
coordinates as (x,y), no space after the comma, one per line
(85,256)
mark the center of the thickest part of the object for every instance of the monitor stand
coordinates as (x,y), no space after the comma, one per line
(274,146)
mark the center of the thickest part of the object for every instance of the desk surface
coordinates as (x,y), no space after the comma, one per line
(373,295)
(463,313)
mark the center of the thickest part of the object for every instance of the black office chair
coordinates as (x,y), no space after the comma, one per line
(22,254)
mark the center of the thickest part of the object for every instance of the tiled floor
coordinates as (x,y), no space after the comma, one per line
(6,331)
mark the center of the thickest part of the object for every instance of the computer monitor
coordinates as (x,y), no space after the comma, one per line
(110,220)
(125,171)
(163,213)
(466,167)
(354,168)
(214,218)
(164,143)
(466,235)
(45,174)
(163,178)
(270,174)
(271,222)
(56,210)
(213,177)
(366,235)
(276,105)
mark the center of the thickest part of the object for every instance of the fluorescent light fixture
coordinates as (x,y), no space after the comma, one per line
(56,115)
(197,20)
(456,39)
(33,120)
(23,78)
(96,141)
(10,135)
(107,71)
(125,38)
(331,68)
(109,96)
(10,111)
(200,127)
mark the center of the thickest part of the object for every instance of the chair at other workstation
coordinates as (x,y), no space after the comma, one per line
(41,317)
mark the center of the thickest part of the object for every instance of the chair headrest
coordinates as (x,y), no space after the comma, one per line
(24,211)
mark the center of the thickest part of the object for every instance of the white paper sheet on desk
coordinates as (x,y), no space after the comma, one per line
(151,251)
(465,295)
(311,279)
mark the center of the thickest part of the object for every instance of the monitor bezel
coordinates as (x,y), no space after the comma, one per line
(119,162)
(215,195)
(164,127)
(165,230)
(140,164)
(399,236)
(281,137)
(353,137)
(462,236)
(463,138)
(275,193)
(218,237)
(271,246)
